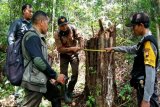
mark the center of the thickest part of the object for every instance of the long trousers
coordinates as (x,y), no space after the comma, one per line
(33,99)
(73,60)
(153,100)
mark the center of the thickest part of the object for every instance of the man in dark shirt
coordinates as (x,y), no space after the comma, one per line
(20,26)
(37,71)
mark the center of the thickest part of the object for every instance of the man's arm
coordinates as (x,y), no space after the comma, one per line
(150,53)
(12,32)
(78,36)
(81,41)
(124,49)
(149,82)
(61,48)
(33,46)
(68,49)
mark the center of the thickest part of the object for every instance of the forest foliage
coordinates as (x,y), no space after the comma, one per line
(84,14)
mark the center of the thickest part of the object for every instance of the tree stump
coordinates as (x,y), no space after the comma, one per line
(99,86)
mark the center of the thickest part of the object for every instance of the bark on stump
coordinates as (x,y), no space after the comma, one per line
(99,86)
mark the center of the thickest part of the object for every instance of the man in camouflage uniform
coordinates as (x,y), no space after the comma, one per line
(67,39)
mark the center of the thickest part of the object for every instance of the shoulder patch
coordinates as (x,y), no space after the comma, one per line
(149,55)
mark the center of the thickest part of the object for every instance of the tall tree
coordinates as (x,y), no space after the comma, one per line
(155,15)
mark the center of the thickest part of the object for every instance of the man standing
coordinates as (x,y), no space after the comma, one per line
(37,71)
(20,26)
(145,62)
(66,39)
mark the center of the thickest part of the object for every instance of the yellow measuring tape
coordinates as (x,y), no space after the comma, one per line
(94,50)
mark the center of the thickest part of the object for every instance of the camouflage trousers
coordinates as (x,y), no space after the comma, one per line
(73,60)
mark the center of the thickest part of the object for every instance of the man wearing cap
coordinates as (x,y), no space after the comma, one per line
(145,62)
(68,42)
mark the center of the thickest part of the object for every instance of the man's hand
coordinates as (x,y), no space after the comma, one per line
(109,49)
(75,49)
(52,81)
(145,103)
(61,78)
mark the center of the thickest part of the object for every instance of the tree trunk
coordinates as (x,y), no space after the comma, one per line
(158,38)
(100,69)
(53,15)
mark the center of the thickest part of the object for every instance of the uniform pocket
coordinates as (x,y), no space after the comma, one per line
(38,78)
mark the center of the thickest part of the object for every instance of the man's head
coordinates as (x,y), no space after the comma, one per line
(63,23)
(139,23)
(27,11)
(40,21)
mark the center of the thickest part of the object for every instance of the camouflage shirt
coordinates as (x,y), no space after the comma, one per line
(70,39)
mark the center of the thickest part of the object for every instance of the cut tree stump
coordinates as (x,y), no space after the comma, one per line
(100,88)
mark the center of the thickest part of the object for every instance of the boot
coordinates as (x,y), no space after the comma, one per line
(56,103)
(67,98)
(70,94)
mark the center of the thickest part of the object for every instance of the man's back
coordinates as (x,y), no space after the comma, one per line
(17,30)
(20,26)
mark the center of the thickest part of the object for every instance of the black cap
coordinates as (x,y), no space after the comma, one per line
(62,20)
(138,18)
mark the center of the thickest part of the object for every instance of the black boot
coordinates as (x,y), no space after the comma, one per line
(56,103)
(67,98)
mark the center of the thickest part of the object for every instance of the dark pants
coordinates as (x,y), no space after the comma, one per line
(153,100)
(74,62)
(33,99)
(53,95)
